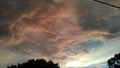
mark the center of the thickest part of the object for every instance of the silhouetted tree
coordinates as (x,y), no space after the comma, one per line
(39,63)
(114,62)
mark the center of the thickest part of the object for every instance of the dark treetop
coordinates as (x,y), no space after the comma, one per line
(114,62)
(39,63)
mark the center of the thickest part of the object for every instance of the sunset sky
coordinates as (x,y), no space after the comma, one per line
(74,33)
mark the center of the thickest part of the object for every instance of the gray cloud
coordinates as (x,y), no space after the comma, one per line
(35,23)
(98,17)
(12,10)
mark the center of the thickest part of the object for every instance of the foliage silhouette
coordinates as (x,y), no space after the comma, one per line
(39,63)
(114,62)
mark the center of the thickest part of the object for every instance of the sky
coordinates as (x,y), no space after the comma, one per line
(73,33)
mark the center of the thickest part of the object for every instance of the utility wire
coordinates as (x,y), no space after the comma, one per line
(107,4)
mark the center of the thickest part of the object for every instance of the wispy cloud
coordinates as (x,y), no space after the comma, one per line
(61,30)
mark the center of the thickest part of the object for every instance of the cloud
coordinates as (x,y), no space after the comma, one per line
(59,29)
(8,57)
(12,13)
(98,17)
(42,25)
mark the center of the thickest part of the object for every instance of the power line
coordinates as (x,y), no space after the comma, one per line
(107,4)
